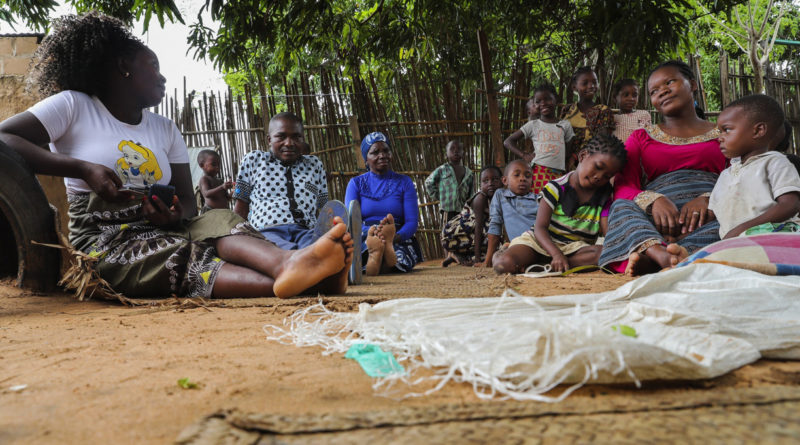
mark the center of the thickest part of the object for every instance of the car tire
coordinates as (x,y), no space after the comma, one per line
(26,216)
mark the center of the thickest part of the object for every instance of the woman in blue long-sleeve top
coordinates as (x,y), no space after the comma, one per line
(389,210)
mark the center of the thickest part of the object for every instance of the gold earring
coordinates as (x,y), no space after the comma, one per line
(126,74)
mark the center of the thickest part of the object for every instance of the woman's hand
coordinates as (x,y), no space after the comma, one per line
(666,216)
(559,263)
(694,214)
(105,182)
(157,212)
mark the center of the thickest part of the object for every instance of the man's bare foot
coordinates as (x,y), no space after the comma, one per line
(388,230)
(376,246)
(677,254)
(336,284)
(308,266)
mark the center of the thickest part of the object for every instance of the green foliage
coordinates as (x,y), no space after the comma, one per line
(284,37)
(35,13)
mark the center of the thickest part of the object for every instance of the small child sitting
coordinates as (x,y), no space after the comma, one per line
(512,208)
(760,191)
(451,183)
(464,236)
(213,192)
(628,120)
(549,136)
(576,213)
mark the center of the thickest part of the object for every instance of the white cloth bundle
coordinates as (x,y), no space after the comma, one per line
(694,322)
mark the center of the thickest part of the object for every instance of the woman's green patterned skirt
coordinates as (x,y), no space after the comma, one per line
(140,260)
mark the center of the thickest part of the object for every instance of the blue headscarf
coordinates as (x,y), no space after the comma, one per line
(370,139)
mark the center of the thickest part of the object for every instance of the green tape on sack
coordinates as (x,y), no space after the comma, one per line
(625,330)
(374,361)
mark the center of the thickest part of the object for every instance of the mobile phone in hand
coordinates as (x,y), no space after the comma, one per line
(164,192)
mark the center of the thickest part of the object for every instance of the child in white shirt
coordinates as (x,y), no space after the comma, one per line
(760,191)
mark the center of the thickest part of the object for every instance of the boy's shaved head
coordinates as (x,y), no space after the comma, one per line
(761,108)
(515,162)
(205,154)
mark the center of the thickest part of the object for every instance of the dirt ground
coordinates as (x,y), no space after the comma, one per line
(100,372)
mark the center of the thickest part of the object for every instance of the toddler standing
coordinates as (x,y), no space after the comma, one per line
(628,119)
(760,191)
(549,136)
(213,192)
(575,214)
(451,183)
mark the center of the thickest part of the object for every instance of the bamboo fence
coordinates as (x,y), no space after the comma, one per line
(781,82)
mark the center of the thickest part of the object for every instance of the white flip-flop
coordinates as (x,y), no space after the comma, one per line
(546,271)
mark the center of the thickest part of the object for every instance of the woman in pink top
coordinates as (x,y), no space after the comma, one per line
(662,193)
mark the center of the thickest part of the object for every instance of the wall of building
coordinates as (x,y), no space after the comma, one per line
(16,53)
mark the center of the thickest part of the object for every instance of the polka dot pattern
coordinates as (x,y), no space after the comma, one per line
(262,183)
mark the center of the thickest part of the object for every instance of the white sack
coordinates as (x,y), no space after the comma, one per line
(693,322)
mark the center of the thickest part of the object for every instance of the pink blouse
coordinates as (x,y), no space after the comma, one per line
(653,152)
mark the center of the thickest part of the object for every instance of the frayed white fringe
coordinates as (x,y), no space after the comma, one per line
(501,354)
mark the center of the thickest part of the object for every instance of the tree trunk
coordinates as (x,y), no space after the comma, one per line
(758,69)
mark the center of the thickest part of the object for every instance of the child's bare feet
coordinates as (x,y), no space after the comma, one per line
(677,254)
(388,231)
(376,247)
(306,267)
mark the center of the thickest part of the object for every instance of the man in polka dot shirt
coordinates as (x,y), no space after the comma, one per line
(281,190)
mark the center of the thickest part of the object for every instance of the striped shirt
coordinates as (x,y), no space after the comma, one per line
(443,185)
(572,221)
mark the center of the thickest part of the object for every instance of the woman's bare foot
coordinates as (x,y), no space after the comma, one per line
(653,259)
(308,266)
(376,246)
(388,230)
(677,253)
(640,264)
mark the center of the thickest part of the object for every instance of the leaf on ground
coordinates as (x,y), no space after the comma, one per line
(185,383)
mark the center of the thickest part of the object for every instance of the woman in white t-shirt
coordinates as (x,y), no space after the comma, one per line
(99,80)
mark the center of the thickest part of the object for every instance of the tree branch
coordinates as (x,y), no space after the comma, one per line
(730,32)
(771,43)
(766,18)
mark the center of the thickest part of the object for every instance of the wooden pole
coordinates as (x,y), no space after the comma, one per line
(356,142)
(491,97)
(723,77)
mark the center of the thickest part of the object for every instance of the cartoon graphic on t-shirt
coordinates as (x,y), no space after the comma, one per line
(138,165)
